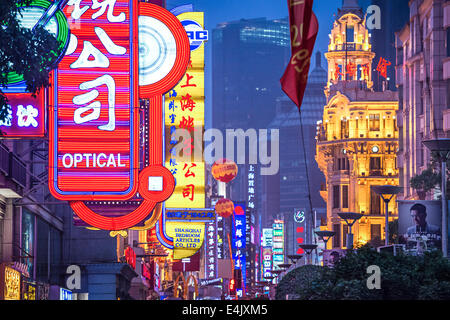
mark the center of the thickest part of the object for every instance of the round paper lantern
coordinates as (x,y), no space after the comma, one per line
(224,208)
(224,170)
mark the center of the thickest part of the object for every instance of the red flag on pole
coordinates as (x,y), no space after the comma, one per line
(304,27)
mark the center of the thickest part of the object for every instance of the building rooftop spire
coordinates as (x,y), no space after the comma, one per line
(350,4)
(318,59)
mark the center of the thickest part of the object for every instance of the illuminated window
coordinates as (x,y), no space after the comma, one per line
(448,42)
(375,165)
(375,232)
(350,34)
(345,197)
(344,234)
(342,164)
(374,122)
(344,129)
(375,203)
(337,236)
(336,196)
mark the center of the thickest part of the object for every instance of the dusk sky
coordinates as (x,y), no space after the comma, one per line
(231,10)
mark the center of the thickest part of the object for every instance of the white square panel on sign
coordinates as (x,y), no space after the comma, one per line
(155,183)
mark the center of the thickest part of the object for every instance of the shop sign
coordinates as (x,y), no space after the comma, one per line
(9,283)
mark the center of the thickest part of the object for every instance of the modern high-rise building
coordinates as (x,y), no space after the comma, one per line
(295,139)
(249,58)
(357,138)
(423,81)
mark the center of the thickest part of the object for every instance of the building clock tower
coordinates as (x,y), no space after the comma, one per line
(357,140)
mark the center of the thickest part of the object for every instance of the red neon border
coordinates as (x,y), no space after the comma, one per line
(183,50)
(135,147)
(112,223)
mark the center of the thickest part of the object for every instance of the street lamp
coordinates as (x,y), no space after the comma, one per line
(325,236)
(295,257)
(442,147)
(350,218)
(309,248)
(285,265)
(386,192)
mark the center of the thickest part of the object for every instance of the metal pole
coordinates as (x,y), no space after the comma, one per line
(386,227)
(444,206)
(350,237)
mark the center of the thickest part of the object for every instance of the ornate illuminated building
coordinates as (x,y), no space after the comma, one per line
(357,140)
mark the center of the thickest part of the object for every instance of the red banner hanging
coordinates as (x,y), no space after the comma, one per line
(304,27)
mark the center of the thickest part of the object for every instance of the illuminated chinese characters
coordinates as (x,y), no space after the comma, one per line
(382,66)
(239,238)
(96,96)
(25,117)
(185,109)
(211,251)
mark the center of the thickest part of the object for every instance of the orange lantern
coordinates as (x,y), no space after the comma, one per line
(224,208)
(224,170)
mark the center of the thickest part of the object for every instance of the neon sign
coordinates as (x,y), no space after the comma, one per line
(26,117)
(239,241)
(98,87)
(96,96)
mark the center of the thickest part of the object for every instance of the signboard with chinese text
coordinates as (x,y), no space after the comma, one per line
(267,237)
(420,224)
(96,96)
(28,291)
(211,250)
(65,294)
(190,185)
(97,90)
(197,215)
(238,241)
(10,283)
(220,237)
(278,243)
(187,238)
(300,220)
(251,181)
(26,117)
(185,109)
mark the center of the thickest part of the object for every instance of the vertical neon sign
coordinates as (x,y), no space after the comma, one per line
(94,115)
(239,243)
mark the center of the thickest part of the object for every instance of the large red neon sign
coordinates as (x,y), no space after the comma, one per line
(90,157)
(26,117)
(94,115)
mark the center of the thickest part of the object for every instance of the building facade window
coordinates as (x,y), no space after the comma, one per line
(375,232)
(447,43)
(375,166)
(337,236)
(374,122)
(345,197)
(344,129)
(350,34)
(342,164)
(344,235)
(448,93)
(375,203)
(336,196)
